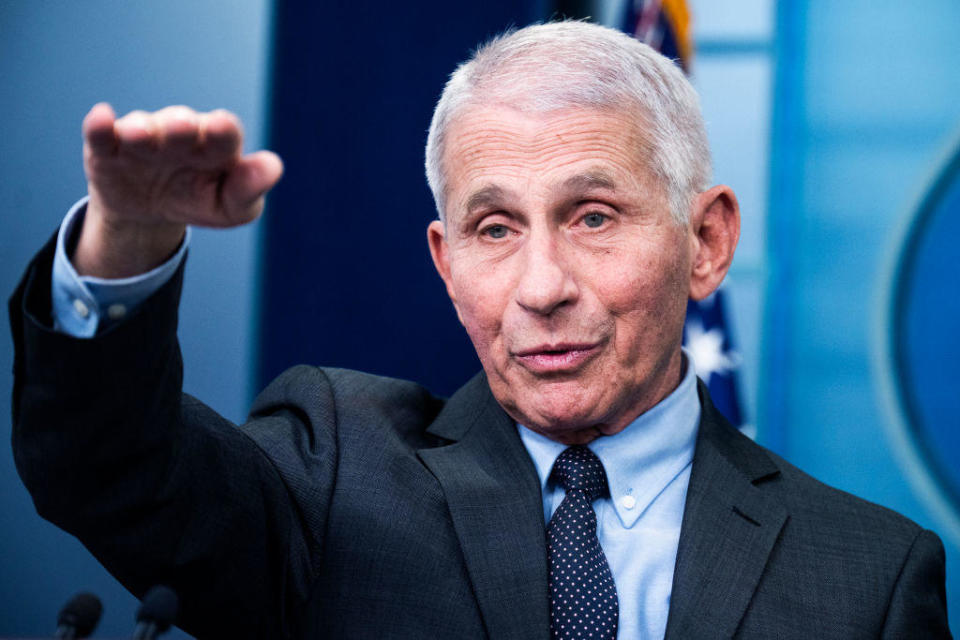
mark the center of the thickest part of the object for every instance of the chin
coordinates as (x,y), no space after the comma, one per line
(566,428)
(549,407)
(557,415)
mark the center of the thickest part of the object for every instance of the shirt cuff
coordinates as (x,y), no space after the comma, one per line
(85,305)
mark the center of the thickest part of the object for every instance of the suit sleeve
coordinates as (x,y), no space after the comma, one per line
(918,606)
(159,487)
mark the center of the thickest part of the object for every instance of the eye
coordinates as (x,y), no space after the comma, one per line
(496,231)
(594,220)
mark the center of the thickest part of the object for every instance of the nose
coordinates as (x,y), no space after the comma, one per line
(546,282)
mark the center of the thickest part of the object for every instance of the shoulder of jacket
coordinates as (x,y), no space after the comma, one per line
(348,397)
(814,503)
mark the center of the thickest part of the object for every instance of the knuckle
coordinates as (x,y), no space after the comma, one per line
(226,122)
(138,118)
(223,113)
(179,116)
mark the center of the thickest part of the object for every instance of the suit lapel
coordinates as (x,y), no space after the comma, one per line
(493,492)
(729,529)
(729,525)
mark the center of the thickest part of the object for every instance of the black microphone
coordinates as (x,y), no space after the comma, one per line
(79,616)
(156,613)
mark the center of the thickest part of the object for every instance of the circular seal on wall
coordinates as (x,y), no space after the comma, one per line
(919,341)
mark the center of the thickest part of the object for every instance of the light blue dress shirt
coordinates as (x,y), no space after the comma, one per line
(83,305)
(648,470)
(647,464)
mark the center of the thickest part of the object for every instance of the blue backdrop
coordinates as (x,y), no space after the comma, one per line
(56,60)
(346,276)
(860,341)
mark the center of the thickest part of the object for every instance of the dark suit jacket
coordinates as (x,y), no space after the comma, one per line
(362,507)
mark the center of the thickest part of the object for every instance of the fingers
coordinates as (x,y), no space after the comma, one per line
(136,133)
(246,185)
(98,129)
(176,165)
(222,132)
(210,139)
(177,130)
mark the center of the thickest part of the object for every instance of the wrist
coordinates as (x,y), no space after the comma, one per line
(118,248)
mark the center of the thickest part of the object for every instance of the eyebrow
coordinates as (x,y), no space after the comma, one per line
(588,181)
(492,194)
(486,196)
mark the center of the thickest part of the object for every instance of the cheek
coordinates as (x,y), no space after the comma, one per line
(628,283)
(480,302)
(647,299)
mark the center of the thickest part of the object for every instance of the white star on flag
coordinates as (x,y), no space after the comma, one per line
(706,351)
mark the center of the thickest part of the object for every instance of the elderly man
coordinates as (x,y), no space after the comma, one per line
(582,486)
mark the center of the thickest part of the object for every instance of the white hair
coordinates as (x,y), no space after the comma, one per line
(572,64)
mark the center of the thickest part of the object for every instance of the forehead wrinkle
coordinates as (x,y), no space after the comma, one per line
(533,139)
(489,150)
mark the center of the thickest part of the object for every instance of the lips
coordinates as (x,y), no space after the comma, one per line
(557,358)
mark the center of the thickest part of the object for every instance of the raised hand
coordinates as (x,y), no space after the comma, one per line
(151,174)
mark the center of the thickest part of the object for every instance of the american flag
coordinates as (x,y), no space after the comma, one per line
(664,25)
(707,337)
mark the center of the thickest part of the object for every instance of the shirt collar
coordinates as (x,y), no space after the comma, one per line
(642,459)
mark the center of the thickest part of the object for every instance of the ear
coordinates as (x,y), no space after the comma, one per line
(440,252)
(715,229)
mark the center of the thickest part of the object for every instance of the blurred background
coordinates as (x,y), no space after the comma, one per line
(837,125)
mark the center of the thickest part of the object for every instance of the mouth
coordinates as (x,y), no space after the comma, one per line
(557,358)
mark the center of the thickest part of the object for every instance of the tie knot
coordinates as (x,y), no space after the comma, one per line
(578,469)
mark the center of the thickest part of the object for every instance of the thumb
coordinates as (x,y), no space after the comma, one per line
(246,185)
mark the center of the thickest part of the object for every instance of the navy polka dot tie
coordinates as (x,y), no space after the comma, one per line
(583,598)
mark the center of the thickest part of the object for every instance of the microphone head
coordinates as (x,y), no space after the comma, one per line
(159,606)
(82,612)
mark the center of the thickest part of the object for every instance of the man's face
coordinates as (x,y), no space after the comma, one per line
(564,265)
